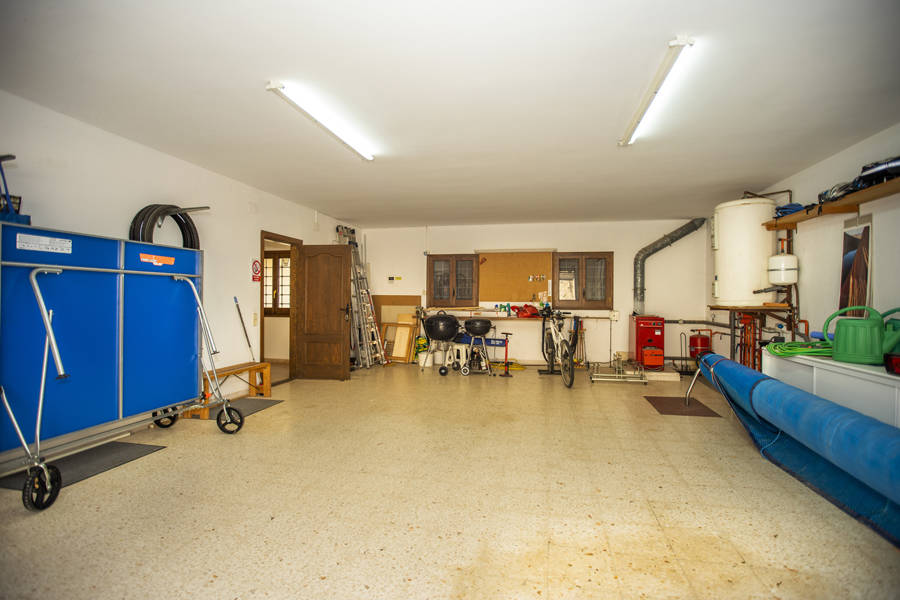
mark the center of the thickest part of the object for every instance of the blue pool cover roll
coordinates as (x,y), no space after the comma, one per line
(735,380)
(864,447)
(850,458)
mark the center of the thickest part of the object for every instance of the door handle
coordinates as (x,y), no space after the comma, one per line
(346,311)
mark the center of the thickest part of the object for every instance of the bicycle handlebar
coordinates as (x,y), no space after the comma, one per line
(549,312)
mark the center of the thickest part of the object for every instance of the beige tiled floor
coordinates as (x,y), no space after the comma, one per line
(398,484)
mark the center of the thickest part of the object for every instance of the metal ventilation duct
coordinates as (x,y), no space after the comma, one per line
(644,253)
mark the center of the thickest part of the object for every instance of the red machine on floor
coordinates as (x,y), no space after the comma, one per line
(648,340)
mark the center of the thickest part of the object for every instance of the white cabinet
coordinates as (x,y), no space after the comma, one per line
(867,389)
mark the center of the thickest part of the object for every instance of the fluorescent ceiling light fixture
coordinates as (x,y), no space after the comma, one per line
(311,103)
(676,47)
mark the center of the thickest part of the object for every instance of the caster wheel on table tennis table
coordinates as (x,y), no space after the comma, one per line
(237,420)
(167,418)
(35,495)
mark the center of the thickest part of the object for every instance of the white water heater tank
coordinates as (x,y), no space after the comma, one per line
(741,251)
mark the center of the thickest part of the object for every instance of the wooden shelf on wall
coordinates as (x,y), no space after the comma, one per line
(848,204)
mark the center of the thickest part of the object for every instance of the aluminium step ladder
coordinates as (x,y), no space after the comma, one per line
(365,336)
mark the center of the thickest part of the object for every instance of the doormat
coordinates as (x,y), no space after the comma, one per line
(93,461)
(247,406)
(674,405)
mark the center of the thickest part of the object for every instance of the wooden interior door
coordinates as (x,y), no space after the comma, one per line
(323,334)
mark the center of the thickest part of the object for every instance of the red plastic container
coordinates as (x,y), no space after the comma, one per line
(653,357)
(892,363)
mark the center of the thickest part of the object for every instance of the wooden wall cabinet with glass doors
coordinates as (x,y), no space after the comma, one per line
(583,280)
(452,280)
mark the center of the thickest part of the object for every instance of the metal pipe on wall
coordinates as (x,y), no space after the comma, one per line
(695,322)
(769,195)
(644,253)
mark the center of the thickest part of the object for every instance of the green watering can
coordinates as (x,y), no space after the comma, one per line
(890,327)
(861,341)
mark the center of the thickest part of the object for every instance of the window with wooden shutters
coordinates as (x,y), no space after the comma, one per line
(276,283)
(452,280)
(583,280)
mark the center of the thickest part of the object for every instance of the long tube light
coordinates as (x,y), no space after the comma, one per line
(311,104)
(676,47)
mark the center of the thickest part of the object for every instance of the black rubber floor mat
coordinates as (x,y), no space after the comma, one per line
(674,405)
(78,467)
(247,406)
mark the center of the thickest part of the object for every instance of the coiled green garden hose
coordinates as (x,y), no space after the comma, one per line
(821,348)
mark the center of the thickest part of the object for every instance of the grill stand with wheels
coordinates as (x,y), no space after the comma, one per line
(440,329)
(478,360)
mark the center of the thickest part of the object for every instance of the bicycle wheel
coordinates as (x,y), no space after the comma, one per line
(549,350)
(566,363)
(543,338)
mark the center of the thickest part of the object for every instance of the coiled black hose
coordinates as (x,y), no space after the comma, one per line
(145,221)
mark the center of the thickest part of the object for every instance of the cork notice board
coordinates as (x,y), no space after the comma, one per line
(503,276)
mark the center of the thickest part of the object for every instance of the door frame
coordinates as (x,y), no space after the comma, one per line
(293,346)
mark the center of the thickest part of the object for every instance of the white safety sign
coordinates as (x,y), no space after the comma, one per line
(42,243)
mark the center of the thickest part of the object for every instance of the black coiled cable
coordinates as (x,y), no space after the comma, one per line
(145,221)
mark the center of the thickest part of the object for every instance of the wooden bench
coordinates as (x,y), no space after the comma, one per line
(264,369)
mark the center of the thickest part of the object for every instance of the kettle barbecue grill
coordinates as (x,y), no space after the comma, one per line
(440,328)
(478,357)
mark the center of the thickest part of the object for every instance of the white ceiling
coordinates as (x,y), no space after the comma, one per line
(504,111)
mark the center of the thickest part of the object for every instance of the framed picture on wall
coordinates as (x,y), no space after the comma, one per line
(856,264)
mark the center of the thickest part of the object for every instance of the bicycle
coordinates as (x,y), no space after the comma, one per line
(555,347)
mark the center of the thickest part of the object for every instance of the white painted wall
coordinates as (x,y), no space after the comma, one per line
(395,252)
(76,177)
(818,242)
(277,338)
(676,278)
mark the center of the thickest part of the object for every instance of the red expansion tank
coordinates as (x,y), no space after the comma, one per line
(700,344)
